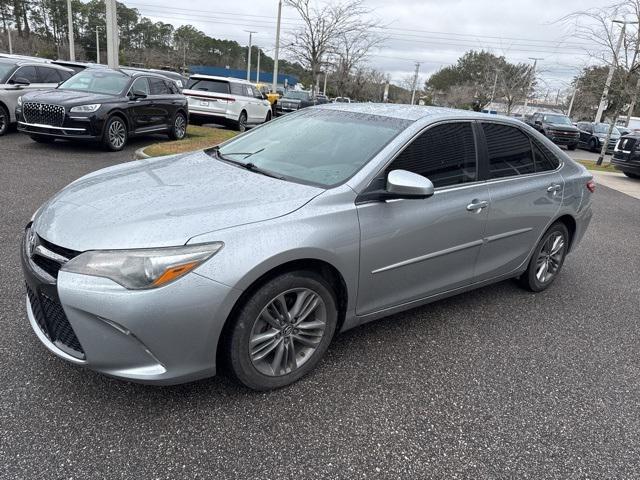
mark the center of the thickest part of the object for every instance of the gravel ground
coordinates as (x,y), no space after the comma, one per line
(497,383)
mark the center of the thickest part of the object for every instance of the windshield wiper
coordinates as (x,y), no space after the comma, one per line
(248,166)
(246,154)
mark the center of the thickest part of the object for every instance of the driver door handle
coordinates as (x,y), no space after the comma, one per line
(477,205)
(554,188)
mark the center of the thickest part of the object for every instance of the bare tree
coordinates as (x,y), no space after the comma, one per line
(601,27)
(325,27)
(352,49)
(514,81)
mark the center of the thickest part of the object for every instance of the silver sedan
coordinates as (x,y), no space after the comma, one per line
(254,254)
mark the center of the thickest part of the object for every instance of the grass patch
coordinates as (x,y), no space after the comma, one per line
(605,167)
(197,138)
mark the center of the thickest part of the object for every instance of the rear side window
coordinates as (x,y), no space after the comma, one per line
(65,75)
(158,87)
(29,73)
(509,151)
(544,158)
(213,86)
(445,154)
(49,75)
(238,89)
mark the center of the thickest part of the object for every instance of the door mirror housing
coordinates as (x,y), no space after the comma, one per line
(405,184)
(136,94)
(20,82)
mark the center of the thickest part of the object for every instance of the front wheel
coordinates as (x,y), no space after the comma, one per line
(593,146)
(547,259)
(632,175)
(268,117)
(115,134)
(4,120)
(179,128)
(282,331)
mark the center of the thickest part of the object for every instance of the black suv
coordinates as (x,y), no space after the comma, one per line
(592,135)
(294,100)
(107,106)
(557,128)
(626,156)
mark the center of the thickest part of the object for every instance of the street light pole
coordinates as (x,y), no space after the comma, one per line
(112,34)
(97,44)
(250,32)
(612,68)
(415,83)
(9,33)
(72,50)
(573,97)
(274,82)
(324,87)
(533,76)
(258,67)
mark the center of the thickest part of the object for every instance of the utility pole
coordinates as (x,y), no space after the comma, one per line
(258,67)
(493,90)
(415,83)
(274,82)
(97,44)
(10,44)
(573,97)
(612,68)
(324,87)
(72,50)
(112,34)
(250,32)
(531,79)
(633,103)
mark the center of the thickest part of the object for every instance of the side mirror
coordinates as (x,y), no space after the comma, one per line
(20,82)
(138,94)
(538,122)
(405,184)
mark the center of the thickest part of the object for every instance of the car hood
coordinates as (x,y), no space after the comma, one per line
(163,202)
(291,100)
(62,97)
(563,127)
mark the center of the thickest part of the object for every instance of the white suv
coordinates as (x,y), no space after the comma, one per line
(229,101)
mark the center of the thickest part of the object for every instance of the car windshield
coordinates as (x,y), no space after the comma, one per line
(5,70)
(97,81)
(560,119)
(604,128)
(297,95)
(321,147)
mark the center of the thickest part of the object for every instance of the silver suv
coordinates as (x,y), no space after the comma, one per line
(18,76)
(257,252)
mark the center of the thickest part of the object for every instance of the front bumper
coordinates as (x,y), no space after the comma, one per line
(626,161)
(74,127)
(167,335)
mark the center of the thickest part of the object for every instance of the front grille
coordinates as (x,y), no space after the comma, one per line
(627,144)
(53,322)
(48,264)
(43,113)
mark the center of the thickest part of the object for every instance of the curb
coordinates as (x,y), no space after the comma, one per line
(139,154)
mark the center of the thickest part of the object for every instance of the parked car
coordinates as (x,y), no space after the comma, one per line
(342,100)
(258,251)
(592,135)
(77,66)
(624,131)
(179,79)
(626,155)
(557,128)
(105,106)
(294,100)
(17,77)
(229,101)
(320,99)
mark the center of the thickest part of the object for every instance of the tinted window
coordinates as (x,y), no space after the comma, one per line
(560,119)
(238,89)
(509,151)
(140,85)
(256,92)
(445,154)
(544,158)
(49,75)
(97,81)
(213,86)
(5,70)
(64,75)
(28,73)
(158,87)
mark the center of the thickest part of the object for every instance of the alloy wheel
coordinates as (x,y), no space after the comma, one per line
(242,122)
(180,126)
(117,134)
(4,121)
(287,332)
(550,257)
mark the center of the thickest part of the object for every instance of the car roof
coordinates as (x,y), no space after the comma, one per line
(199,76)
(78,64)
(415,112)
(22,61)
(138,73)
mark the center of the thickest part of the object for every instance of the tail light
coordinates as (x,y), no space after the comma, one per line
(591,186)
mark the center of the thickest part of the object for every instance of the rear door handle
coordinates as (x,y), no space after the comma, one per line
(554,188)
(477,205)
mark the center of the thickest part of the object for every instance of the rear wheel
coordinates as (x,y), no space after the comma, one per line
(547,259)
(241,126)
(179,127)
(593,146)
(632,175)
(42,139)
(282,331)
(115,134)
(5,119)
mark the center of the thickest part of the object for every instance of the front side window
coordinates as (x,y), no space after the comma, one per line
(5,71)
(140,85)
(321,147)
(97,81)
(212,86)
(509,151)
(445,154)
(28,73)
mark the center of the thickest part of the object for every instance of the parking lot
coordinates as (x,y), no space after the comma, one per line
(496,383)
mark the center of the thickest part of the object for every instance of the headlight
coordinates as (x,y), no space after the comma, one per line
(85,108)
(143,268)
(19,101)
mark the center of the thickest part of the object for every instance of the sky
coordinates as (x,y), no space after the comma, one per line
(433,32)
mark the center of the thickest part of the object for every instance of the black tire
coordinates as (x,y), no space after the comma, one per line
(178,129)
(112,141)
(268,117)
(42,139)
(593,146)
(572,147)
(241,124)
(530,279)
(632,175)
(5,120)
(237,355)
